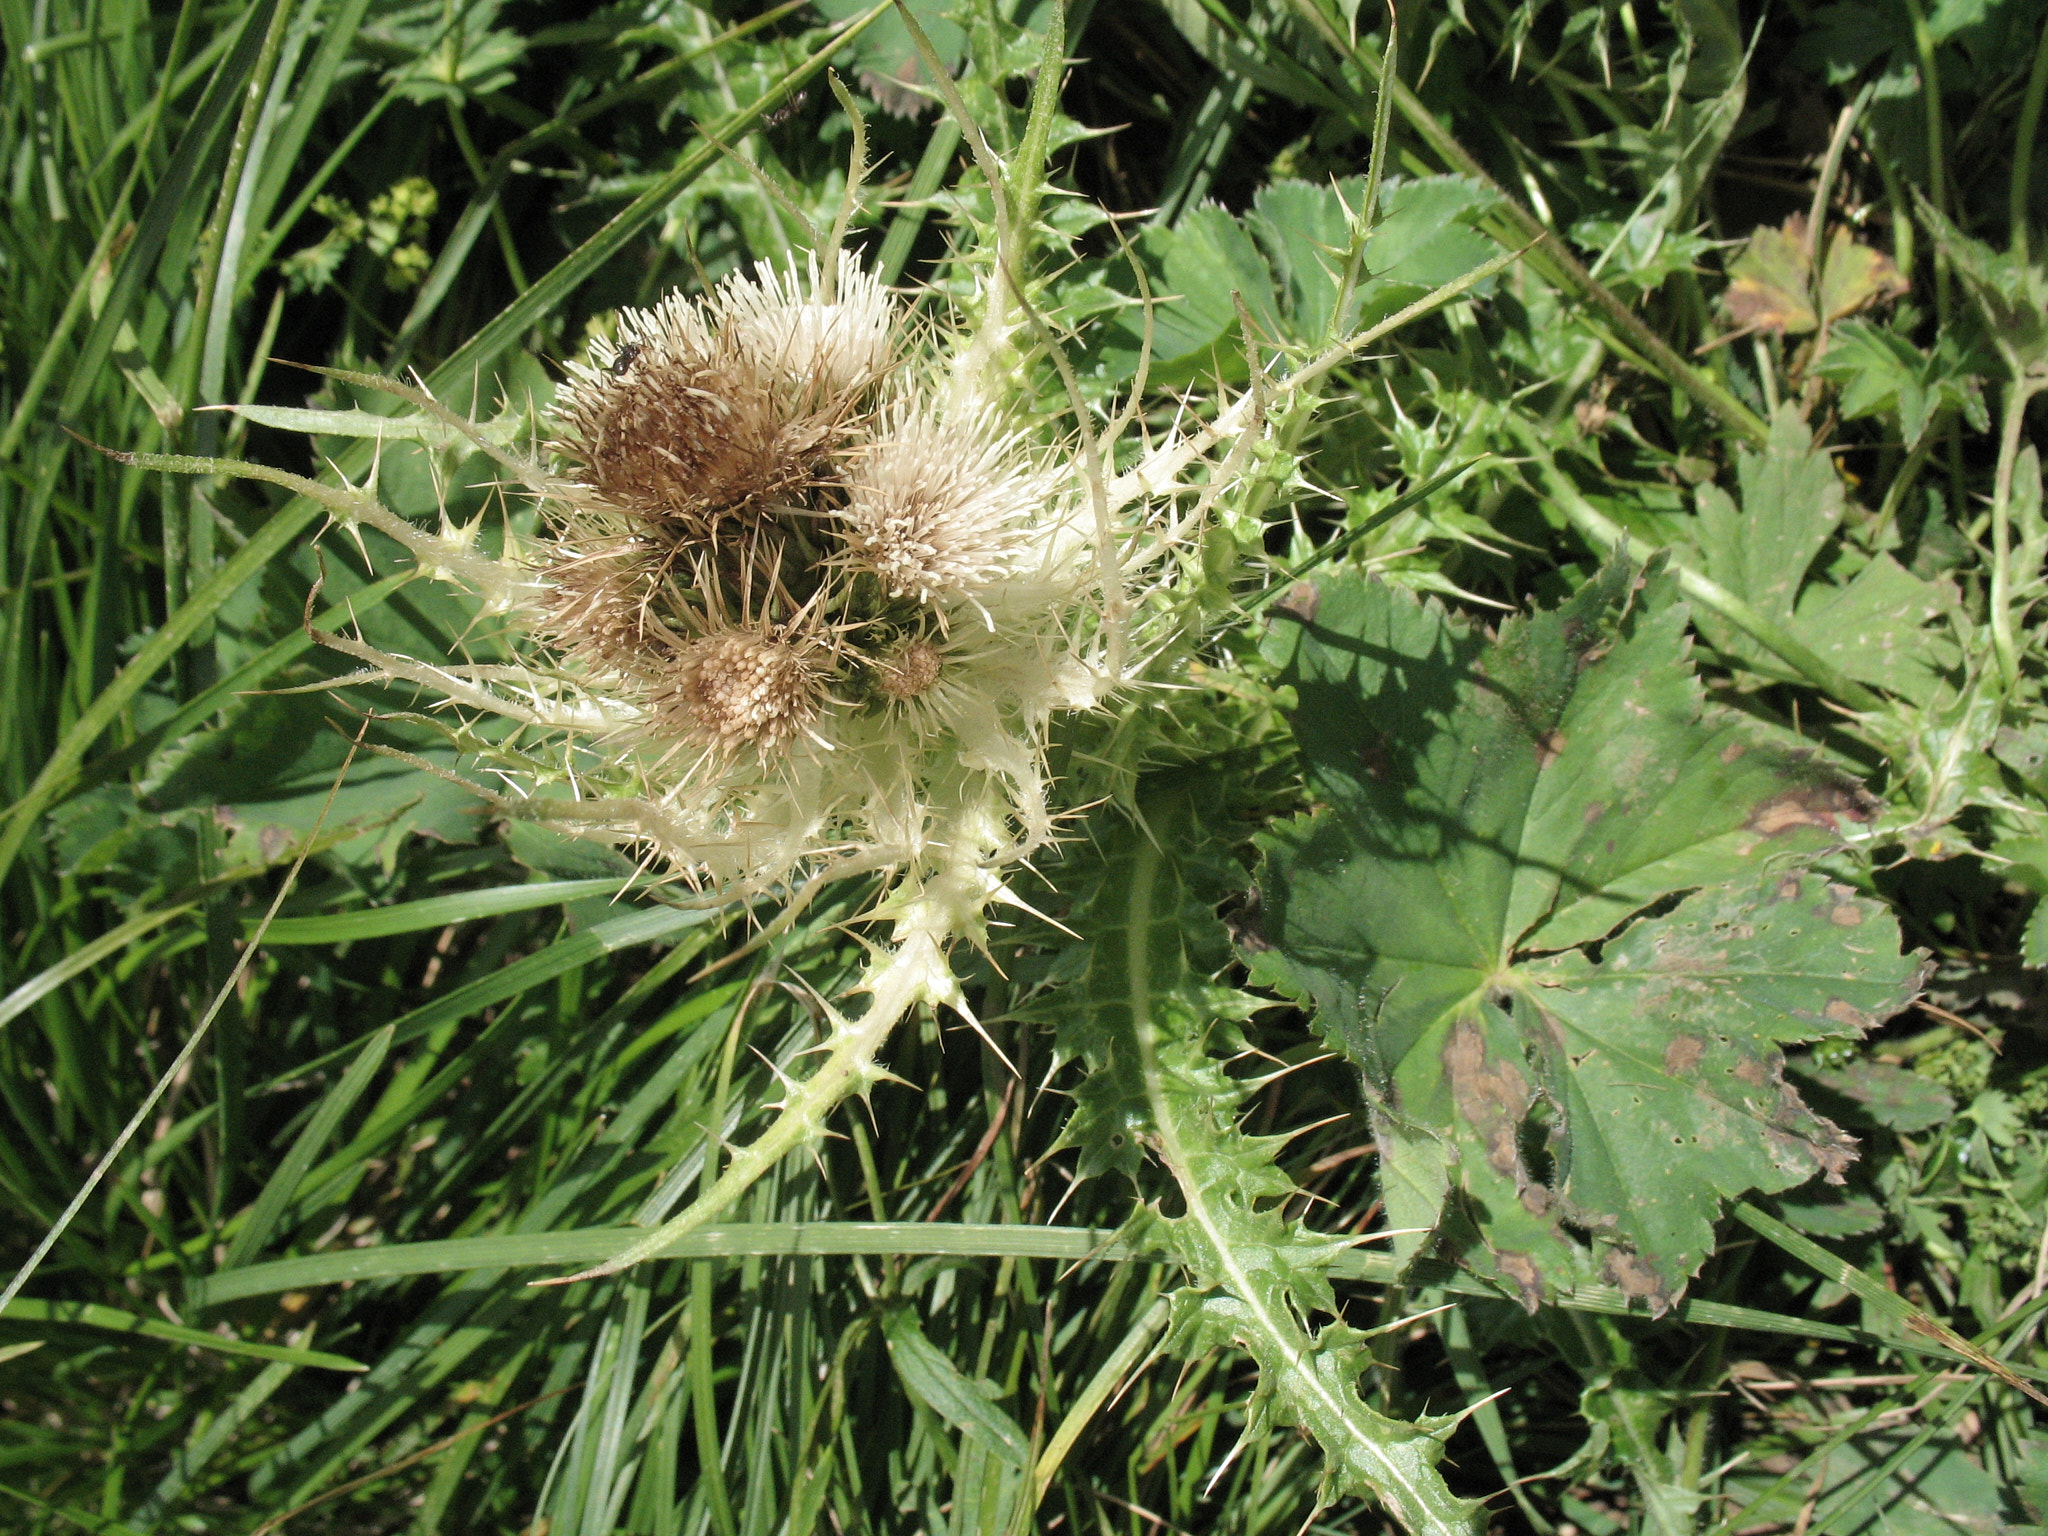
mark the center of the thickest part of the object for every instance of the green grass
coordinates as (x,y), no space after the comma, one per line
(464,1053)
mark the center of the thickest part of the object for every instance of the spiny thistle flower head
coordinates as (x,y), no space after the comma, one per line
(940,508)
(804,600)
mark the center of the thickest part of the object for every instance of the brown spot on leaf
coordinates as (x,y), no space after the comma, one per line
(1491,1096)
(1823,803)
(1771,282)
(1844,1013)
(1520,1271)
(1593,812)
(1632,1275)
(1732,751)
(1842,910)
(1302,601)
(1683,1055)
(1750,1071)
(1549,747)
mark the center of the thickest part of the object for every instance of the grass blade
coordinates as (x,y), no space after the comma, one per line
(82,1314)
(284,1183)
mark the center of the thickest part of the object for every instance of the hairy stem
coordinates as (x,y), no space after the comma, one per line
(2017,394)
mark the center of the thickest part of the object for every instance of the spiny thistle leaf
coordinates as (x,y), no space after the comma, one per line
(1495,809)
(1142,1017)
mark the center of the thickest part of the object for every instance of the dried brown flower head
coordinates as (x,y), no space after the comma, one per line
(735,408)
(768,524)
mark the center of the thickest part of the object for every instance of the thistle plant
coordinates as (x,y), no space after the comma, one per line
(1476,924)
(803,603)
(797,580)
(806,585)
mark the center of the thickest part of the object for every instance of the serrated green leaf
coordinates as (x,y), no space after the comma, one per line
(1142,1017)
(1832,1214)
(1766,548)
(1876,628)
(1790,506)
(1878,370)
(1659,1059)
(1878,1094)
(1197,271)
(1423,239)
(1493,809)
(1284,260)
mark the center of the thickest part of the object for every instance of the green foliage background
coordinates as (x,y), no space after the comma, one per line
(1772,493)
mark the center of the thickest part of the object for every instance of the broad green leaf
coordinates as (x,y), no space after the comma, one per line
(1876,628)
(1423,239)
(1194,269)
(886,61)
(1767,546)
(263,779)
(1770,282)
(1878,1094)
(1284,260)
(1830,1213)
(1493,812)
(1719,55)
(1660,1062)
(1936,1490)
(1790,506)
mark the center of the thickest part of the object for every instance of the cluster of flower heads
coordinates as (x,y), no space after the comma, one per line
(804,595)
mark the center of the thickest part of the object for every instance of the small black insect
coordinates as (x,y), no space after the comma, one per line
(624,358)
(783,113)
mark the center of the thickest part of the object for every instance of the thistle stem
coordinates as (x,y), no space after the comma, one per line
(1397,1461)
(896,982)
